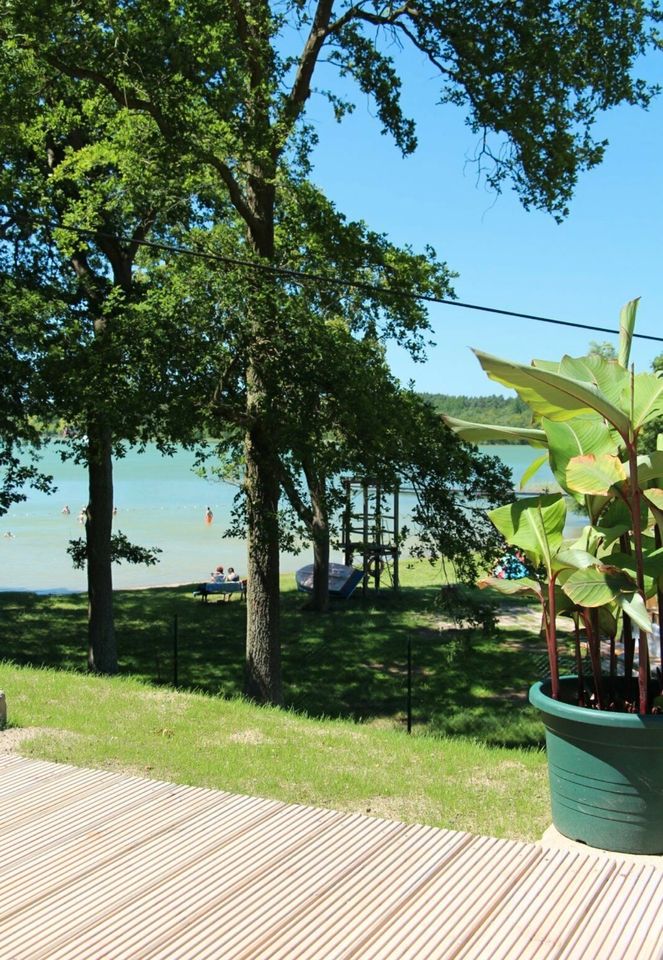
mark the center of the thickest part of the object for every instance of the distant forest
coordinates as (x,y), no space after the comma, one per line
(509,411)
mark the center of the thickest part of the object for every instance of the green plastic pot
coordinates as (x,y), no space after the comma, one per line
(606,772)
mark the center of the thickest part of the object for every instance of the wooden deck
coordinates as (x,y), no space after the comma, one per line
(96,865)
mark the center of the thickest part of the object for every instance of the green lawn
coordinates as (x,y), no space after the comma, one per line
(474,761)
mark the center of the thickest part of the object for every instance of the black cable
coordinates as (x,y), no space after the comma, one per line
(300,276)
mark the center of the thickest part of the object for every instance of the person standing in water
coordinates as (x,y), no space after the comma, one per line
(209,516)
(65,510)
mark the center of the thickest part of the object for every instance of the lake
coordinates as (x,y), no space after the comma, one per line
(160,502)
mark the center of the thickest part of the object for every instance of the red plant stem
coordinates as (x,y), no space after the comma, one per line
(659,604)
(590,618)
(581,679)
(627,627)
(634,504)
(551,638)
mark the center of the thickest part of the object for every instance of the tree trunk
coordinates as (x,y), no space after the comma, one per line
(102,649)
(320,535)
(263,651)
(262,479)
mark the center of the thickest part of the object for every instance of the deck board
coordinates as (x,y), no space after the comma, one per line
(101,865)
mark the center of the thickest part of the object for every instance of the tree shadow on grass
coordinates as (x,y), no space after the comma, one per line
(350,662)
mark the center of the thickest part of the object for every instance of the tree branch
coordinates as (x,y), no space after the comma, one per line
(319,32)
(304,513)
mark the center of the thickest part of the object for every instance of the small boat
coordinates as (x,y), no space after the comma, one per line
(343,580)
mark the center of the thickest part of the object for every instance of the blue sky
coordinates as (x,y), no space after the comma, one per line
(609,249)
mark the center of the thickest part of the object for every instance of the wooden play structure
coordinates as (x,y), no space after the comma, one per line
(370,532)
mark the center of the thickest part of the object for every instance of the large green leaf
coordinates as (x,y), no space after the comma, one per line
(533,468)
(552,395)
(478,432)
(512,587)
(599,586)
(650,467)
(606,375)
(574,559)
(535,524)
(652,564)
(653,497)
(594,586)
(635,608)
(600,475)
(626,326)
(589,540)
(572,438)
(647,398)
(616,520)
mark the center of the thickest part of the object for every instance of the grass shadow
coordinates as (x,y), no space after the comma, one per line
(350,662)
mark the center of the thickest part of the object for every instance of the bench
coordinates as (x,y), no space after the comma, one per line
(225,589)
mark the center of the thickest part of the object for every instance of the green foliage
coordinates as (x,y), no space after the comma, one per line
(468,608)
(121,550)
(530,79)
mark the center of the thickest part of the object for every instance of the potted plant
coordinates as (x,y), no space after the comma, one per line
(604,726)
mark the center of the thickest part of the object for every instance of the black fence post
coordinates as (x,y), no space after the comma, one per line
(409,684)
(175,649)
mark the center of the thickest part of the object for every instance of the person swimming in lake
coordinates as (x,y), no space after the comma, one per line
(209,516)
(65,510)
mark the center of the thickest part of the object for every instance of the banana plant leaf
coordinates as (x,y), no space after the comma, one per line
(652,563)
(533,469)
(653,496)
(647,398)
(589,540)
(626,327)
(606,375)
(598,586)
(612,381)
(601,475)
(616,520)
(573,559)
(572,438)
(535,524)
(650,469)
(478,432)
(553,395)
(512,587)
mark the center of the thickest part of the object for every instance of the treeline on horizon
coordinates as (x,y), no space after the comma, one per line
(506,411)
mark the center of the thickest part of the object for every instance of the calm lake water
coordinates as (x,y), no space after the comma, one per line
(160,503)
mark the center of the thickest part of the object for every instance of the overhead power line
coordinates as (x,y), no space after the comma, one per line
(301,276)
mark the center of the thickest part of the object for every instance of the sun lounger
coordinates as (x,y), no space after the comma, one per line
(226,589)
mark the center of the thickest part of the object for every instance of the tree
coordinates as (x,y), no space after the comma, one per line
(387,433)
(19,436)
(214,80)
(72,157)
(603,349)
